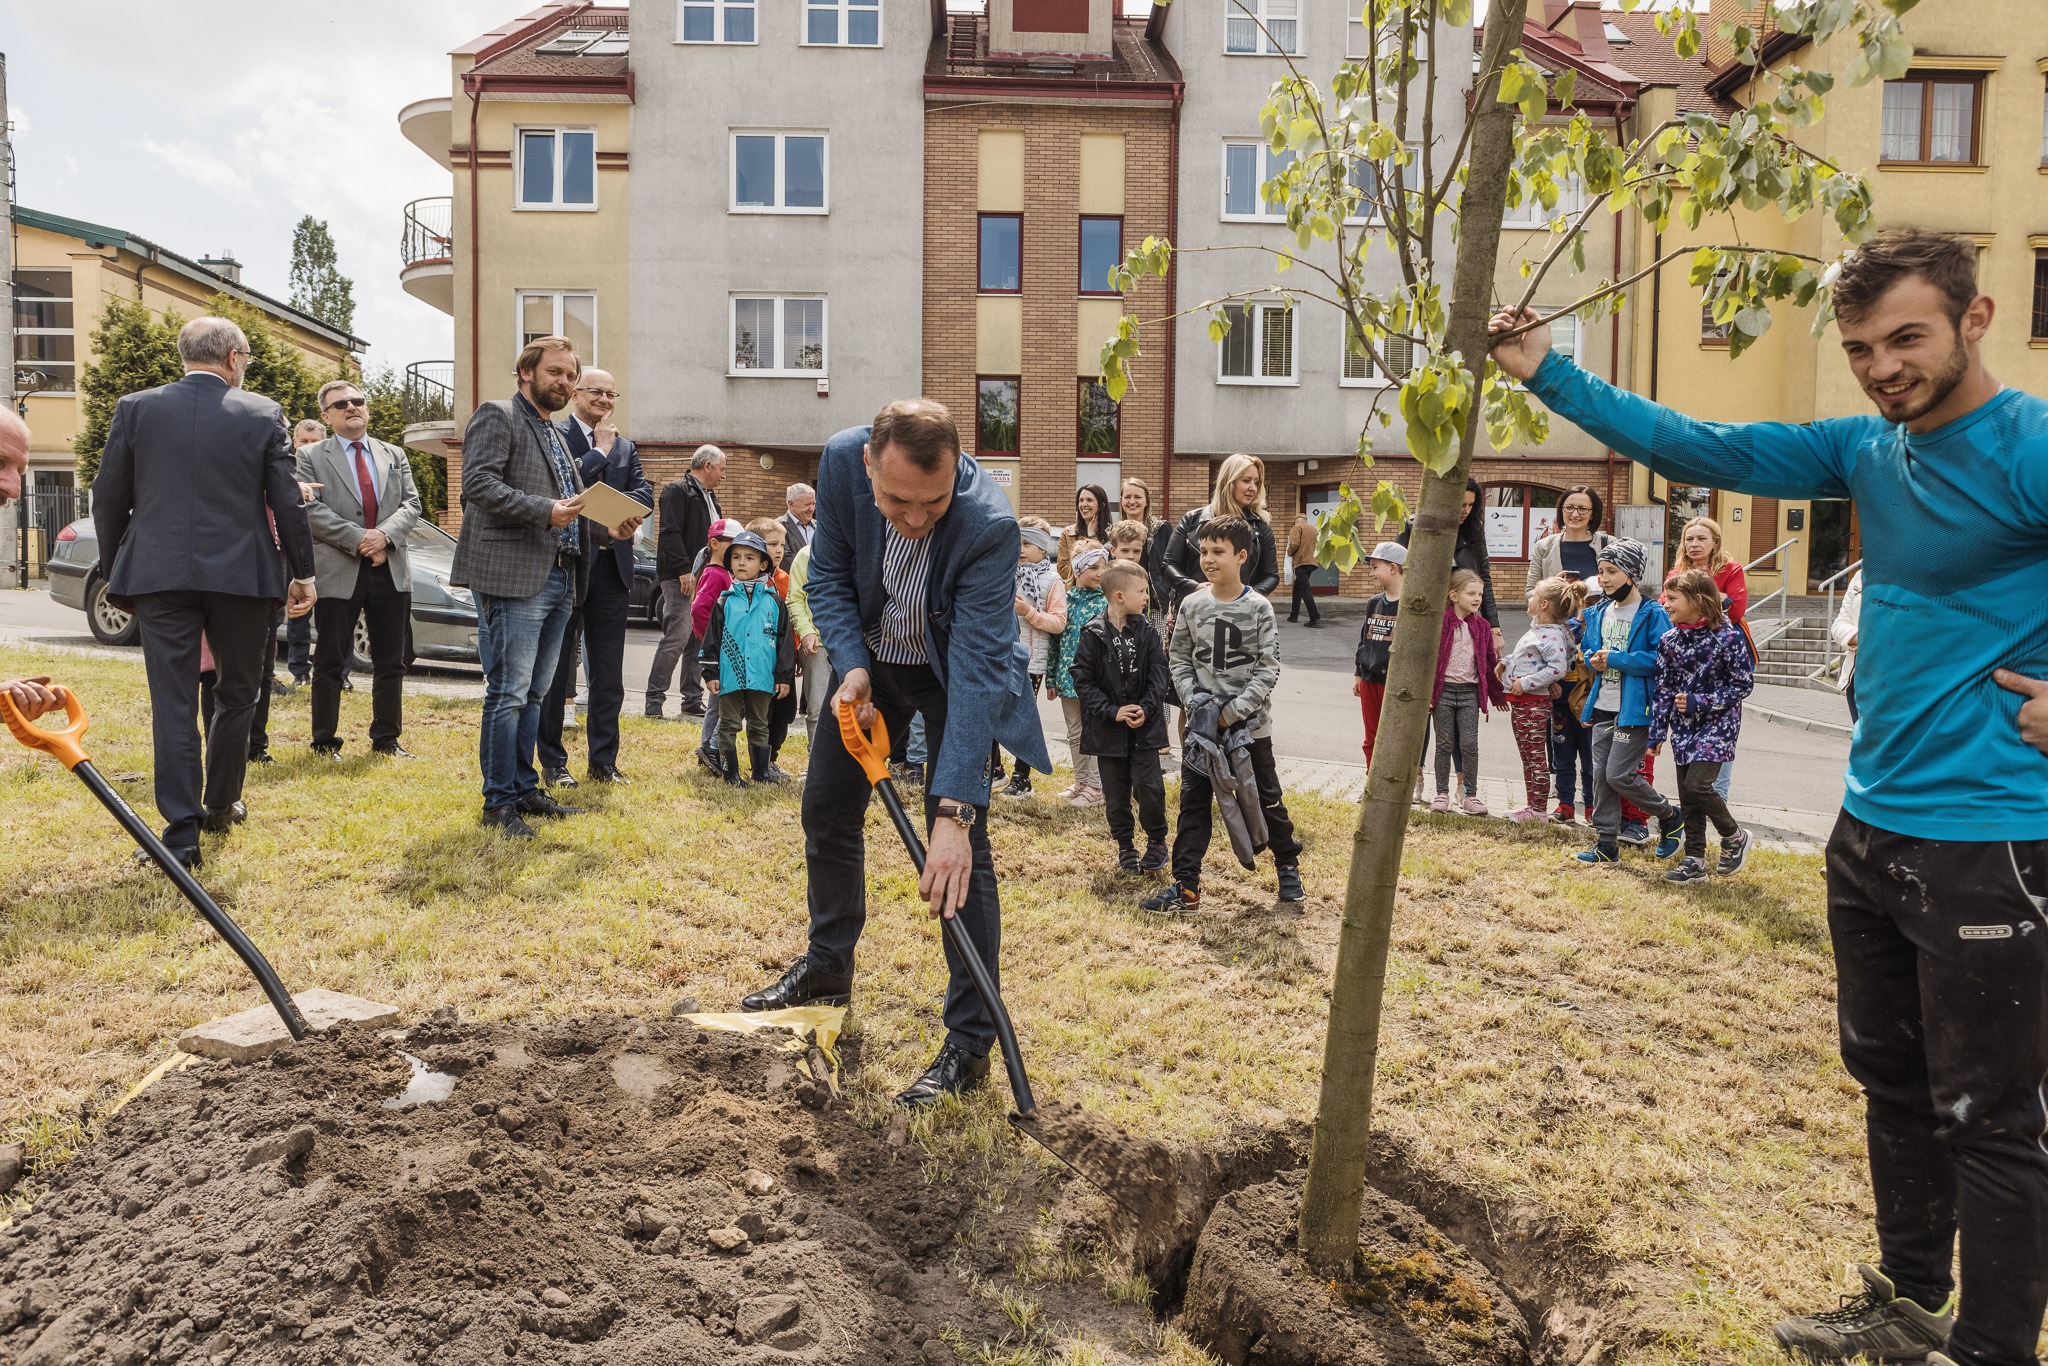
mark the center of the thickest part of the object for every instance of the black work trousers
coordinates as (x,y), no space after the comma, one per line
(1303,593)
(1941,956)
(1135,775)
(378,601)
(602,624)
(835,803)
(1197,812)
(1701,803)
(171,626)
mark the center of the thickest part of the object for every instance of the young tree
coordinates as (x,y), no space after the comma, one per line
(318,286)
(1366,148)
(131,349)
(388,420)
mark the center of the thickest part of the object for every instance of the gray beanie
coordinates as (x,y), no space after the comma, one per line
(1627,556)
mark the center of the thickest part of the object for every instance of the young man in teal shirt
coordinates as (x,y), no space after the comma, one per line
(1938,866)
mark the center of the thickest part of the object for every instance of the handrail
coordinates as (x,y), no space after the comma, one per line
(429,234)
(1841,574)
(1771,554)
(1783,602)
(1827,657)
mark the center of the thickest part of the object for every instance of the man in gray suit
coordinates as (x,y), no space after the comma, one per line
(521,552)
(366,507)
(178,505)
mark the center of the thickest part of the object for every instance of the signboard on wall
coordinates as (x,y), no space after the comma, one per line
(1503,533)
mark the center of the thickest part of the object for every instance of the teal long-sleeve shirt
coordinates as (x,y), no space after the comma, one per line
(1955,583)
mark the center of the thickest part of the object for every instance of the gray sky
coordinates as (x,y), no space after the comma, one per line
(209,125)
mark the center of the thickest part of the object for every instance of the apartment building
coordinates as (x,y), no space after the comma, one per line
(1049,148)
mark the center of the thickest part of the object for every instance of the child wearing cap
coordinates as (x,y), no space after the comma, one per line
(1620,644)
(749,658)
(1376,637)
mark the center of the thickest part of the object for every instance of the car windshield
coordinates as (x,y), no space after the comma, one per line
(427,536)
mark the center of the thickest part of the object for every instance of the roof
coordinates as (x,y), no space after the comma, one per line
(562,48)
(1571,36)
(98,235)
(1650,56)
(1137,67)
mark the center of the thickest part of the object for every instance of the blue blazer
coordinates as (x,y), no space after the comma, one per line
(1638,663)
(622,471)
(971,604)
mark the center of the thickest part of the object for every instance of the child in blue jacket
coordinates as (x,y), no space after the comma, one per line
(749,658)
(1620,647)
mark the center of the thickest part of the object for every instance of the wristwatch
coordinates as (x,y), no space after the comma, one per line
(962,815)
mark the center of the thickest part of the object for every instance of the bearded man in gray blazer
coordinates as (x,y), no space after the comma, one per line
(365,506)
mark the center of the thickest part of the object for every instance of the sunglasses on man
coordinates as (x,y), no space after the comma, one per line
(348,403)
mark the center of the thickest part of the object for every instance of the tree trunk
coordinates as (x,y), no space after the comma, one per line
(1336,1171)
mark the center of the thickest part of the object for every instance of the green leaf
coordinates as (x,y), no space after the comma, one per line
(1567,85)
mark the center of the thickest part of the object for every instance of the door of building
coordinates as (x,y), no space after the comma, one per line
(1683,503)
(1834,540)
(1322,499)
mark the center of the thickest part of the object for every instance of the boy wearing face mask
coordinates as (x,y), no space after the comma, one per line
(1620,646)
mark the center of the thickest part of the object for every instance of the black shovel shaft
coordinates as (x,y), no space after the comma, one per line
(956,933)
(182,877)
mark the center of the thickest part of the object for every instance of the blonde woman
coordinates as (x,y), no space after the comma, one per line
(1240,491)
(1699,547)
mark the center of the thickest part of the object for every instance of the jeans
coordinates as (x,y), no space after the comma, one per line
(517,641)
(298,640)
(1571,749)
(1457,735)
(835,802)
(1618,773)
(678,646)
(1139,776)
(1198,810)
(1303,592)
(387,609)
(1701,803)
(1942,987)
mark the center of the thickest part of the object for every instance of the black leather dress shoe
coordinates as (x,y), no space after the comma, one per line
(954,1072)
(505,820)
(608,775)
(538,803)
(394,750)
(328,752)
(187,855)
(802,985)
(220,819)
(557,777)
(261,756)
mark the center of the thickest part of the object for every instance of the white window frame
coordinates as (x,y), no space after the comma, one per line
(560,133)
(1410,174)
(718,10)
(844,8)
(1566,335)
(732,319)
(1255,311)
(18,362)
(1372,378)
(1262,9)
(1264,212)
(519,298)
(781,136)
(1530,216)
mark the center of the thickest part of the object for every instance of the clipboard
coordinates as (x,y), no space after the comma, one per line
(608,507)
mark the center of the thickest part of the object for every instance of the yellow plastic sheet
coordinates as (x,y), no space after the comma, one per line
(809,1026)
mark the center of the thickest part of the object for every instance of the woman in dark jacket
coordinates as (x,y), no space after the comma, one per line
(1241,492)
(1471,554)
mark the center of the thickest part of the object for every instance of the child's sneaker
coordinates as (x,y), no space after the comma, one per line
(1291,890)
(1473,806)
(1088,795)
(1734,853)
(1523,815)
(1019,784)
(1177,899)
(1603,852)
(1670,834)
(1688,870)
(1127,860)
(1154,861)
(1564,815)
(1441,803)
(1636,833)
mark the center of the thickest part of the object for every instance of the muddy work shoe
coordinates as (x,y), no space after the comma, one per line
(1879,1324)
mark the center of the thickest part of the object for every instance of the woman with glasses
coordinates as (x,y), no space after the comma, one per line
(1574,548)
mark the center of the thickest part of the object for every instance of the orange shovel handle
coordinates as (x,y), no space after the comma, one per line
(871,751)
(61,744)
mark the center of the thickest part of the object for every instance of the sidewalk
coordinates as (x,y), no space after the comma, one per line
(1805,708)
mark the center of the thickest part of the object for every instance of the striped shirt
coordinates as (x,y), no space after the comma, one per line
(899,637)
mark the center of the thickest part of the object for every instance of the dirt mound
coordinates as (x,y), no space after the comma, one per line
(1415,1298)
(600,1191)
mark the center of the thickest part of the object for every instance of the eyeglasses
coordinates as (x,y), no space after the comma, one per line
(611,394)
(349,403)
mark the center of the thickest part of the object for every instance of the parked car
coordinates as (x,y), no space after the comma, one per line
(646,606)
(443,615)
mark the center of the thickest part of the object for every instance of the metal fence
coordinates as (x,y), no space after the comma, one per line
(429,392)
(429,230)
(36,519)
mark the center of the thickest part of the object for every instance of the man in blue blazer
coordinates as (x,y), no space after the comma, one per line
(913,590)
(602,457)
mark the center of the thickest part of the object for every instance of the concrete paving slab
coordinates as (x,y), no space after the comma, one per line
(257,1032)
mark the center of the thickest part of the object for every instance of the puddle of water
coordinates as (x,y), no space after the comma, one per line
(427,1086)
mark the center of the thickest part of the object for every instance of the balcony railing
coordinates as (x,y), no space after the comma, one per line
(429,232)
(429,392)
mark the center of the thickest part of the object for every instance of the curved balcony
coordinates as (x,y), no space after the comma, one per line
(427,403)
(427,252)
(426,124)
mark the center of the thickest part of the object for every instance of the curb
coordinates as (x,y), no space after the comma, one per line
(1800,722)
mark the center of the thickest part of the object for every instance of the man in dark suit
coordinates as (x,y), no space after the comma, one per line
(799,524)
(178,506)
(603,457)
(689,506)
(365,507)
(913,590)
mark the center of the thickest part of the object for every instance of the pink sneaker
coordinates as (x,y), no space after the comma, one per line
(1472,806)
(1523,815)
(1441,803)
(1087,796)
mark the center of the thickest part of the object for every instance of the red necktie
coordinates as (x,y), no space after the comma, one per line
(366,486)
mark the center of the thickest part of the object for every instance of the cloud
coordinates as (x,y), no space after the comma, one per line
(18,116)
(200,165)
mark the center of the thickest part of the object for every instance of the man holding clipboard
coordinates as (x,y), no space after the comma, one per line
(616,498)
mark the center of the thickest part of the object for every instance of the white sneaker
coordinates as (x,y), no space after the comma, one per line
(569,721)
(1087,796)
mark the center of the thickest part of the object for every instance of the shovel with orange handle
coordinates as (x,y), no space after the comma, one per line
(62,744)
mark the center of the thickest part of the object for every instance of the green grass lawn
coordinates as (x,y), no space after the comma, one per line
(1646,1073)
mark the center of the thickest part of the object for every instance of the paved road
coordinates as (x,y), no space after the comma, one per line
(1787,779)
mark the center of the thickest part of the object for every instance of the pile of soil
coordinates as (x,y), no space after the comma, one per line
(606,1190)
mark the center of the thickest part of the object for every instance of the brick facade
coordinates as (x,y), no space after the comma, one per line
(1049,391)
